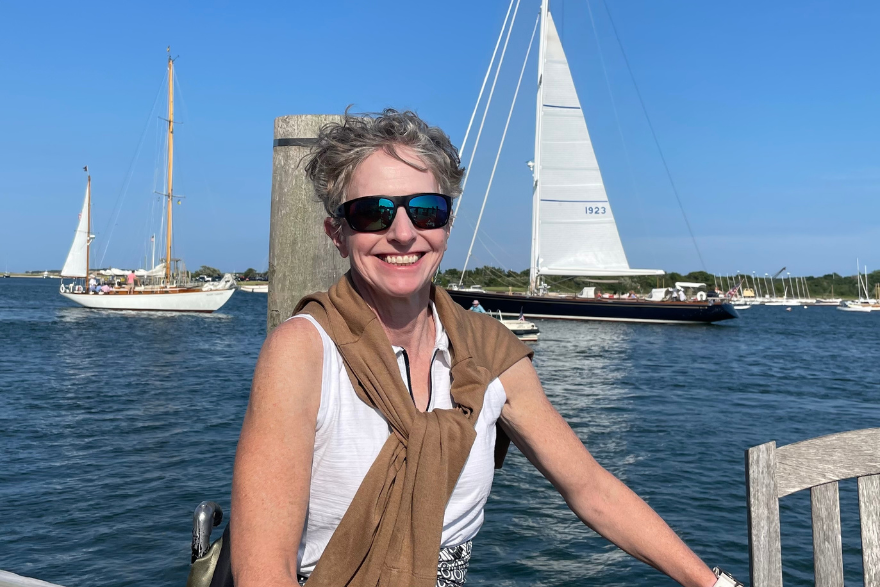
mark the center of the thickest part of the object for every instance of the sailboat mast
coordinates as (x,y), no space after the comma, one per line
(536,199)
(170,166)
(89,225)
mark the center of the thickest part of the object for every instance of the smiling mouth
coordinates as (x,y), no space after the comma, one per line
(401,260)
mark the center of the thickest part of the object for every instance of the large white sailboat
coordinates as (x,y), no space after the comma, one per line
(164,288)
(574,232)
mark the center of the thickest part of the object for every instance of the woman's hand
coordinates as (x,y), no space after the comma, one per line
(598,498)
(270,485)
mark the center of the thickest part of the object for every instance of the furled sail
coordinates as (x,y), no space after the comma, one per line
(577,233)
(77,257)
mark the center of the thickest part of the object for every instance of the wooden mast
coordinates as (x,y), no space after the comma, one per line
(170,165)
(89,224)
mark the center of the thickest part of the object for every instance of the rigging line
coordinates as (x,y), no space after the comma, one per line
(494,242)
(177,246)
(491,254)
(467,169)
(211,200)
(500,146)
(485,79)
(629,164)
(654,135)
(503,276)
(120,199)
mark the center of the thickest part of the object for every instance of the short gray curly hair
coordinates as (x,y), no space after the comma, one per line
(341,147)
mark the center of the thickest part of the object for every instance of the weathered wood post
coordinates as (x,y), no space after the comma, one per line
(302,259)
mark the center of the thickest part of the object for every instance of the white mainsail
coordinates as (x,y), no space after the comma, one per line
(77,258)
(576,230)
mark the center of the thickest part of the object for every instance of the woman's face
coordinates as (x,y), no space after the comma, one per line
(401,260)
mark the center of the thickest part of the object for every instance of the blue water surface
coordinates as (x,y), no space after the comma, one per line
(114,426)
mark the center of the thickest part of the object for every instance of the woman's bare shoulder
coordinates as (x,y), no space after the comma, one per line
(290,362)
(293,338)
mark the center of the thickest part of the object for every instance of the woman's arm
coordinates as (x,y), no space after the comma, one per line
(598,498)
(270,485)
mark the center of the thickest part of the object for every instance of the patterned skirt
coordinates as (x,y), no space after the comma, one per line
(452,565)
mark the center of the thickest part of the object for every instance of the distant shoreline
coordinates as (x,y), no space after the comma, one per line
(35,275)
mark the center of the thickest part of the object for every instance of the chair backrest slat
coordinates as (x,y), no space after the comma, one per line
(869,514)
(827,458)
(827,547)
(765,555)
(816,464)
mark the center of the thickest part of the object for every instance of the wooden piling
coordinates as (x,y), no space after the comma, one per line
(302,259)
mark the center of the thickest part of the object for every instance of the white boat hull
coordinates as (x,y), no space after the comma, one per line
(185,301)
(255,288)
(832,302)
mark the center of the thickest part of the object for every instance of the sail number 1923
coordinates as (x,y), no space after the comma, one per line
(596,209)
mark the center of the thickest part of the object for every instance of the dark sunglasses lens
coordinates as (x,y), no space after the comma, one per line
(370,214)
(428,211)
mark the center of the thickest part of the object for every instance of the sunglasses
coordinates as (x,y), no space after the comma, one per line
(375,213)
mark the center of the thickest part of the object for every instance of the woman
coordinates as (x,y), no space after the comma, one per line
(370,437)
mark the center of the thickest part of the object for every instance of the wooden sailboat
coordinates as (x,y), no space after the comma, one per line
(164,290)
(574,232)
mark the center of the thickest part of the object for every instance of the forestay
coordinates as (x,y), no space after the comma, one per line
(577,233)
(77,258)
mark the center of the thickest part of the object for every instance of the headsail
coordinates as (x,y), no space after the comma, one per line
(77,258)
(577,233)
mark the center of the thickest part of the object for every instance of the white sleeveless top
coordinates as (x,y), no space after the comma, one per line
(350,434)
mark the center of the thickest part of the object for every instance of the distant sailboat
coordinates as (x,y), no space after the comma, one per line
(832,301)
(865,304)
(165,290)
(574,232)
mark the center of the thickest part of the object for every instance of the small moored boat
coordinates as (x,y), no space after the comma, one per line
(262,288)
(523,329)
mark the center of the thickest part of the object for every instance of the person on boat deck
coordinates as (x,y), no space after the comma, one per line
(713,293)
(129,281)
(476,306)
(631,295)
(93,284)
(368,447)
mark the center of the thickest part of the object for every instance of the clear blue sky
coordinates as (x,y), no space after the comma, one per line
(767,114)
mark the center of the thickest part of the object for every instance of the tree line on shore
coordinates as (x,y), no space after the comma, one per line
(494,278)
(249,274)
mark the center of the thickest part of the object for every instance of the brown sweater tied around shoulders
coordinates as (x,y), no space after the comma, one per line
(390,534)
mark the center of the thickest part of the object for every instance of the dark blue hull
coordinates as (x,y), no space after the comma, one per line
(571,308)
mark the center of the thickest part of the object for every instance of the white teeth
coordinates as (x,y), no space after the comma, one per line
(401,259)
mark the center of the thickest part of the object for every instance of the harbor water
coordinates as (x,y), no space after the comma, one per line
(114,426)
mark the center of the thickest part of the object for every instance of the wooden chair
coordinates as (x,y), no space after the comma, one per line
(816,464)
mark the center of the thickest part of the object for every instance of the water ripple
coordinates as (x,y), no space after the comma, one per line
(115,425)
